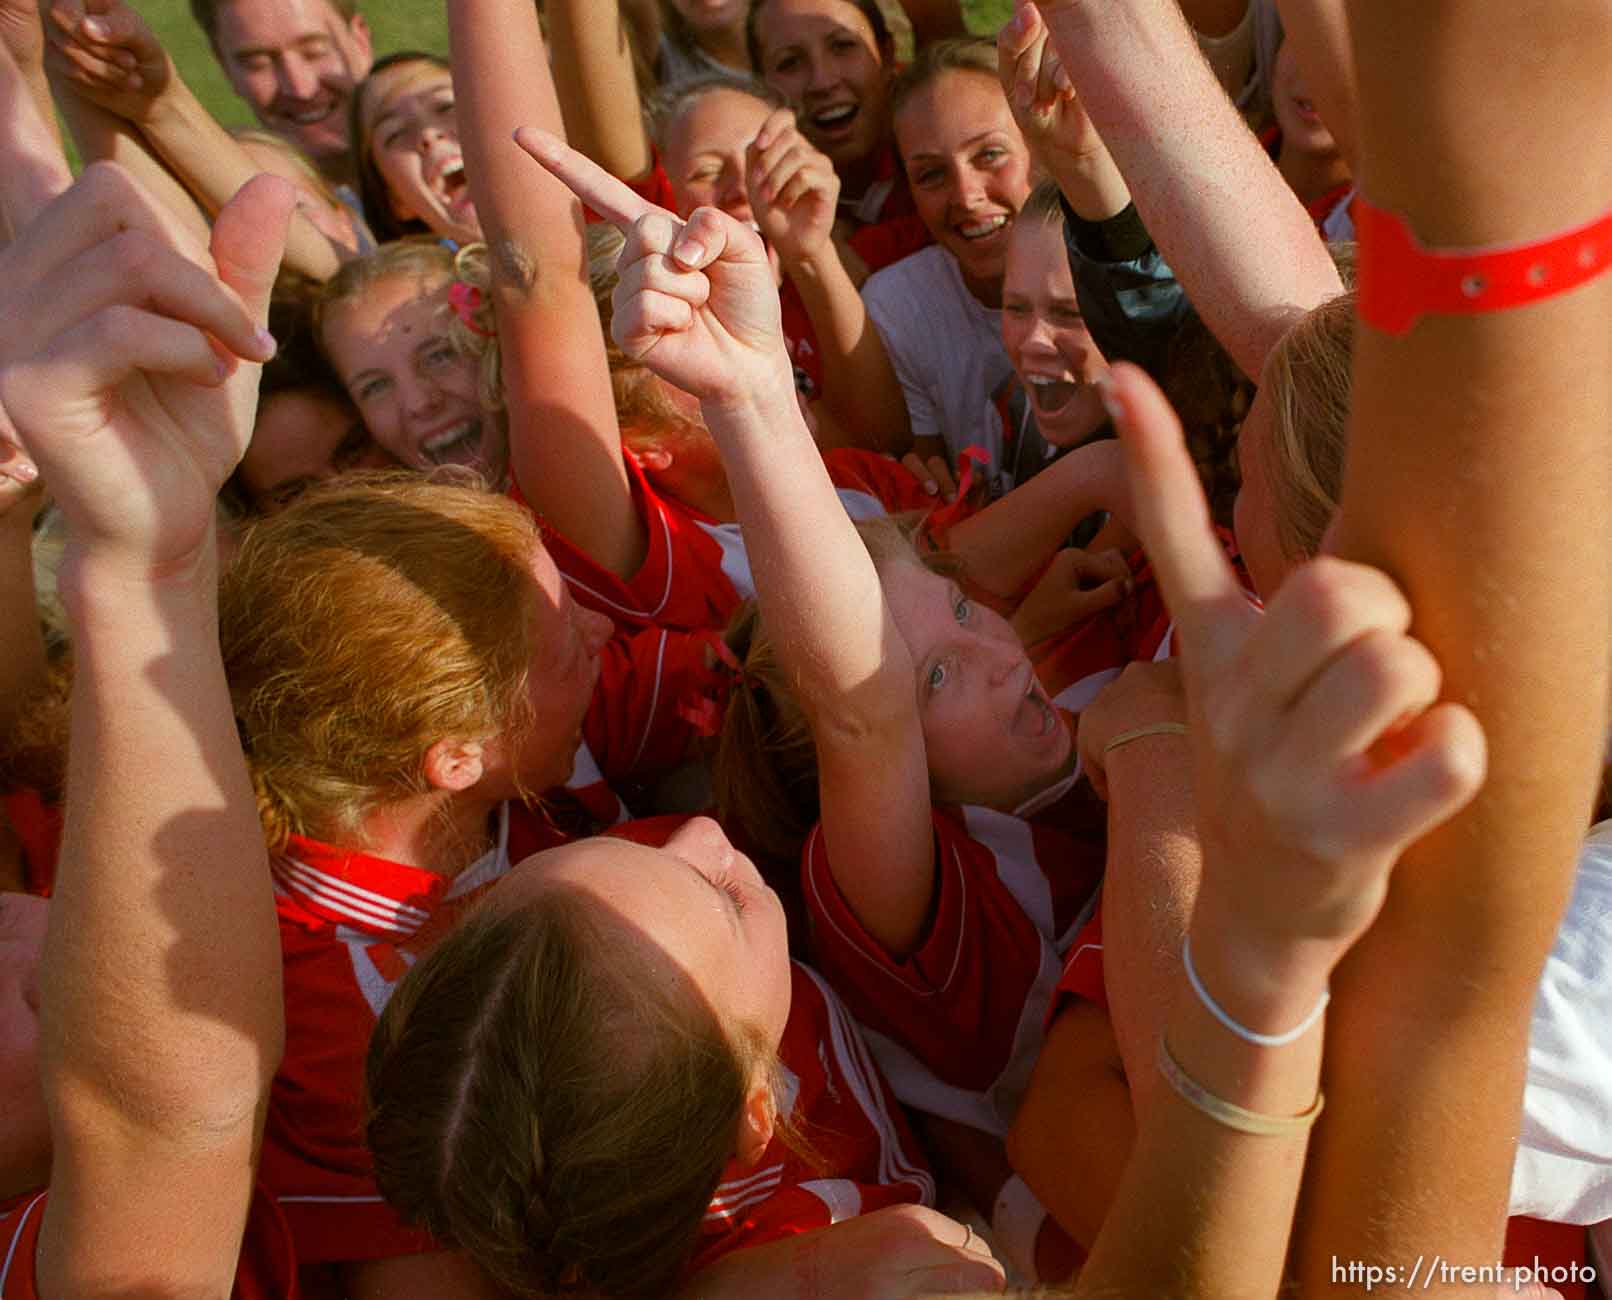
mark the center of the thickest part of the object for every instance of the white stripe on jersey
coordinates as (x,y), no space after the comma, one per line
(857,1066)
(16,1237)
(666,536)
(723,1208)
(737,1186)
(361,905)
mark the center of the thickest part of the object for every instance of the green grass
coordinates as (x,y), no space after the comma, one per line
(397,25)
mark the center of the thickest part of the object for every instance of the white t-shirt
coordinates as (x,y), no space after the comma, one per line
(1564,1153)
(946,348)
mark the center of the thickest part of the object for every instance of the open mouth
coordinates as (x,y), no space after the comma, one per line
(458,445)
(310,114)
(835,120)
(986,228)
(453,186)
(1050,396)
(1035,717)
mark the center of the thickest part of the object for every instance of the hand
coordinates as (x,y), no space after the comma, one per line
(120,348)
(895,1253)
(105,51)
(696,301)
(794,190)
(1145,693)
(934,475)
(1320,748)
(1038,88)
(1075,585)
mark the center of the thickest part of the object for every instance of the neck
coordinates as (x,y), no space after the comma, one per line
(437,831)
(727,46)
(1310,175)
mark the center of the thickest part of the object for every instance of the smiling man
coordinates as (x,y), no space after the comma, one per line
(296,63)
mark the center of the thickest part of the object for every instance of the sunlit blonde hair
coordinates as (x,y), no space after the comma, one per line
(374,616)
(1307,380)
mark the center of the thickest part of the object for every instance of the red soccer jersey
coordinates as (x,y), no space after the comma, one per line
(38,826)
(841,1106)
(957,1024)
(351,925)
(696,571)
(267,1269)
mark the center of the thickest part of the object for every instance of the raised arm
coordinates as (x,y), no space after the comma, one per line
(1474,439)
(35,169)
(565,445)
(94,43)
(1237,237)
(161,1017)
(697,304)
(1302,812)
(597,87)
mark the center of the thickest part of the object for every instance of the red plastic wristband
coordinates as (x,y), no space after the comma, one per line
(1400,279)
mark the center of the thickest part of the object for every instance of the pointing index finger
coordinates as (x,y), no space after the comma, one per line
(605,194)
(1203,593)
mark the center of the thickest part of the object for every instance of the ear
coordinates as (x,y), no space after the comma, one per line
(656,460)
(454,764)
(756,1122)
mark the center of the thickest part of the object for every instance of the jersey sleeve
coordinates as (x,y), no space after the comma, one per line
(955,1002)
(680,584)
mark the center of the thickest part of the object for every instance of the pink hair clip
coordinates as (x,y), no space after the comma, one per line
(465,299)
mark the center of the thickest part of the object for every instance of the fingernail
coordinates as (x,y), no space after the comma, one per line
(932,489)
(690,252)
(266,343)
(96,28)
(24,471)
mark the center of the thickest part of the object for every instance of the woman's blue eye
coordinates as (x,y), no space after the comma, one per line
(963,609)
(937,677)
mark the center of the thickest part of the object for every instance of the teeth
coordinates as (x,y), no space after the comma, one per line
(834,116)
(981,229)
(309,117)
(437,447)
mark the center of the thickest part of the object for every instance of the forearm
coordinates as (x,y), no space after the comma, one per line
(564,442)
(1007,544)
(162,1010)
(101,136)
(1478,494)
(1237,237)
(1203,1209)
(213,166)
(860,387)
(34,170)
(596,85)
(815,582)
(1155,863)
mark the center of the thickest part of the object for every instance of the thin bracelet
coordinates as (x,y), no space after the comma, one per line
(1224,1112)
(1242,1031)
(1401,279)
(1138,733)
